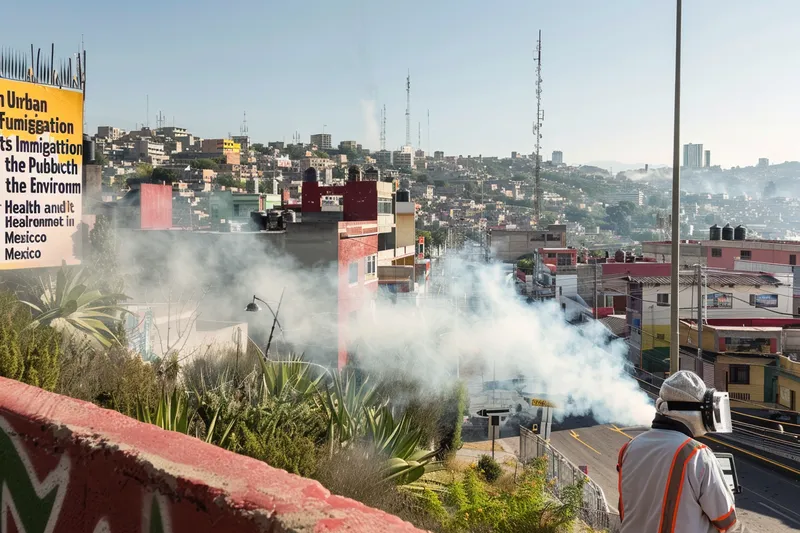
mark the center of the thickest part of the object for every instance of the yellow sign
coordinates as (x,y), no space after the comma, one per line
(541,403)
(41,174)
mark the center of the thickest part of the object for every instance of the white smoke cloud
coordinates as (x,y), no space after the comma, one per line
(480,329)
(372,129)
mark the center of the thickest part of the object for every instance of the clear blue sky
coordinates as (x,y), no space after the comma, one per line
(294,66)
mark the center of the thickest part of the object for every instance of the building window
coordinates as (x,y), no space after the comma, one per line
(384,206)
(551,256)
(662,299)
(792,259)
(352,272)
(716,252)
(746,255)
(236,210)
(564,260)
(739,375)
(371,265)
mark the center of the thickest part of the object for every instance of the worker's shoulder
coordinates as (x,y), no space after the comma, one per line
(663,438)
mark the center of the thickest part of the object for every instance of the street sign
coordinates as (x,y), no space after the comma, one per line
(535,402)
(489,412)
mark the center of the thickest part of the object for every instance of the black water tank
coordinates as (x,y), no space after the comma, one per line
(372,174)
(740,233)
(403,196)
(258,221)
(714,233)
(727,233)
(89,156)
(354,173)
(619,256)
(310,175)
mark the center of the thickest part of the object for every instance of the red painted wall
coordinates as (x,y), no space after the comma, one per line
(360,198)
(156,206)
(70,467)
(357,296)
(636,269)
(729,255)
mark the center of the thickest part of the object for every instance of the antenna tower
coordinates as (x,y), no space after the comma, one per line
(160,120)
(408,110)
(147,122)
(419,135)
(383,128)
(243,128)
(429,131)
(537,134)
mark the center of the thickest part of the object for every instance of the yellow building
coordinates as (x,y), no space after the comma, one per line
(788,383)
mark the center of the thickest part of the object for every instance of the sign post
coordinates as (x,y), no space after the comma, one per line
(41,175)
(494,421)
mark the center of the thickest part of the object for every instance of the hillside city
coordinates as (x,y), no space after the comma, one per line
(230,333)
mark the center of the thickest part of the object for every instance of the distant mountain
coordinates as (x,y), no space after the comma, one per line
(619,166)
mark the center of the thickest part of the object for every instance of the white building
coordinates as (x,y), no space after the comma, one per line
(558,158)
(693,155)
(636,197)
(322,140)
(403,158)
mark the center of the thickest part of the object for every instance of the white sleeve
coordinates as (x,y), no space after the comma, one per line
(713,493)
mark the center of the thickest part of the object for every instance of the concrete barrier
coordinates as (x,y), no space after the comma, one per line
(70,466)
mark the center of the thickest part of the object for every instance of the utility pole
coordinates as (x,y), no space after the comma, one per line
(595,291)
(700,317)
(537,134)
(674,304)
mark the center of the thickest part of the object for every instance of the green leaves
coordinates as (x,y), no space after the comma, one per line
(69,305)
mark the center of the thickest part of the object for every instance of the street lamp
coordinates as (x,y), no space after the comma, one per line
(253,307)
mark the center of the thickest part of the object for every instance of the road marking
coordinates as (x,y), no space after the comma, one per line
(620,431)
(761,458)
(577,438)
(760,497)
(780,513)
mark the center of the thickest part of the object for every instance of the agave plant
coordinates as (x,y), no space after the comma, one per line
(344,404)
(68,304)
(399,441)
(291,376)
(173,413)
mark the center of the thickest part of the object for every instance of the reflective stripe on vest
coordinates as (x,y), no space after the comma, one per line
(619,479)
(674,488)
(724,522)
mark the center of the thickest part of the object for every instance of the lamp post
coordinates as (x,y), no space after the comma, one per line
(253,307)
(674,324)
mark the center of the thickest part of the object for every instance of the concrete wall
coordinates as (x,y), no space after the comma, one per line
(67,466)
(156,206)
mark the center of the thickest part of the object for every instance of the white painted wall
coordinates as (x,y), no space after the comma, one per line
(659,315)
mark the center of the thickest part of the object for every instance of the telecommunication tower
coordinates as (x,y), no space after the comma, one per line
(429,131)
(160,120)
(537,134)
(408,110)
(383,128)
(419,135)
(243,128)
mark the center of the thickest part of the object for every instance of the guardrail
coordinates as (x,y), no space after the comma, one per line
(595,511)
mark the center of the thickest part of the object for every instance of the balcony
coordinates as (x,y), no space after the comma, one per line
(385,256)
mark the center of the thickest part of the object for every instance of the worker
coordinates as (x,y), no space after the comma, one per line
(668,481)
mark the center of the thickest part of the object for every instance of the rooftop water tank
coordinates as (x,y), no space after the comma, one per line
(354,173)
(740,233)
(403,196)
(619,256)
(714,233)
(310,175)
(727,233)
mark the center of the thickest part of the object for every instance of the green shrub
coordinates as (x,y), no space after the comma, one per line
(27,354)
(451,420)
(489,468)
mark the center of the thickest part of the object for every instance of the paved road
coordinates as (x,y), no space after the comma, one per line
(768,503)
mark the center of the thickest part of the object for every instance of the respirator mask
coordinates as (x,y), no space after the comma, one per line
(715,410)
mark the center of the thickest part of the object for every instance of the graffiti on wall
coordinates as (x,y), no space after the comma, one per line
(34,505)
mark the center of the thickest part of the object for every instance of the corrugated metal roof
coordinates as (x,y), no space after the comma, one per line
(712,279)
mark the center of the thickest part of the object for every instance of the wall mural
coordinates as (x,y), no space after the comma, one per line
(34,505)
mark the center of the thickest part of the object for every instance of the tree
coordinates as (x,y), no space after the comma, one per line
(545,219)
(226,180)
(620,215)
(205,164)
(439,183)
(167,176)
(100,159)
(144,170)
(260,148)
(771,190)
(320,153)
(295,151)
(422,178)
(104,258)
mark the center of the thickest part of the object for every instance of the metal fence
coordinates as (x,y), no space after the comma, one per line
(595,511)
(36,67)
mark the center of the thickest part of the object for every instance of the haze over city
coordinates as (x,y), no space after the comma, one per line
(608,72)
